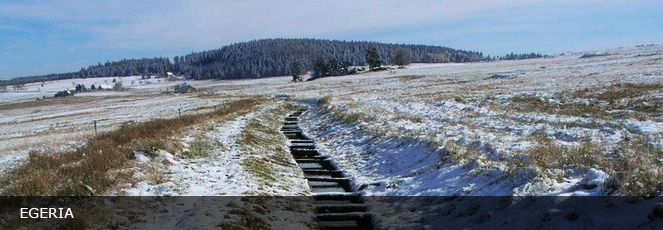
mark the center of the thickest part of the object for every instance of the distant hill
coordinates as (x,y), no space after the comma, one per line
(260,58)
(272,57)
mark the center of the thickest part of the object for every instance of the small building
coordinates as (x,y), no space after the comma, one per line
(170,74)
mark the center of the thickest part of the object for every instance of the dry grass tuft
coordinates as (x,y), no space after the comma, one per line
(638,171)
(618,101)
(460,154)
(199,147)
(325,101)
(247,218)
(411,118)
(619,91)
(551,156)
(407,78)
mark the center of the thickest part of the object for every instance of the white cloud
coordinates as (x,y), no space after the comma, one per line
(200,24)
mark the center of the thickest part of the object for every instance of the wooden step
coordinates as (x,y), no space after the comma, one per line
(345,185)
(304,152)
(339,179)
(322,173)
(353,220)
(302,145)
(313,160)
(340,208)
(302,141)
(346,198)
(340,225)
(291,131)
(310,157)
(327,190)
(337,206)
(301,149)
(343,216)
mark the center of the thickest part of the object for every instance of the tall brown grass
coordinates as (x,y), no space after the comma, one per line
(638,170)
(635,170)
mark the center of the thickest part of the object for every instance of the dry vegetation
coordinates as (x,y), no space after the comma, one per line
(90,170)
(634,165)
(638,169)
(58,101)
(262,141)
(407,78)
(616,102)
(199,147)
(255,212)
(346,117)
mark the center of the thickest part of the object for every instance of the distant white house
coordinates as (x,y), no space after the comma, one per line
(170,74)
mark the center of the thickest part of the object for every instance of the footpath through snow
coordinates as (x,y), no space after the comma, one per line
(220,173)
(221,184)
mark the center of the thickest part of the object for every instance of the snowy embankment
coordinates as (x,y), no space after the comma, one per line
(412,184)
(412,166)
(557,126)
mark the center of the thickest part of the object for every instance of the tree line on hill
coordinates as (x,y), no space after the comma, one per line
(124,67)
(270,57)
(336,67)
(273,57)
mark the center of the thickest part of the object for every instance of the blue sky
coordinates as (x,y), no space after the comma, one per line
(40,37)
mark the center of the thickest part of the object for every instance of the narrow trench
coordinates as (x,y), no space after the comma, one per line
(337,205)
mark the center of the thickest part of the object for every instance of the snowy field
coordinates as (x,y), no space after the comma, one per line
(401,125)
(563,125)
(398,129)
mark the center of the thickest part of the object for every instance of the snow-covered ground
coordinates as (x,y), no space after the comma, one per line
(223,172)
(422,111)
(403,125)
(429,129)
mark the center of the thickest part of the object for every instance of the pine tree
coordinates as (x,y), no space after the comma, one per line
(373,58)
(401,58)
(295,71)
(320,69)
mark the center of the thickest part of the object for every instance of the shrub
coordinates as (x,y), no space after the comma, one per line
(199,147)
